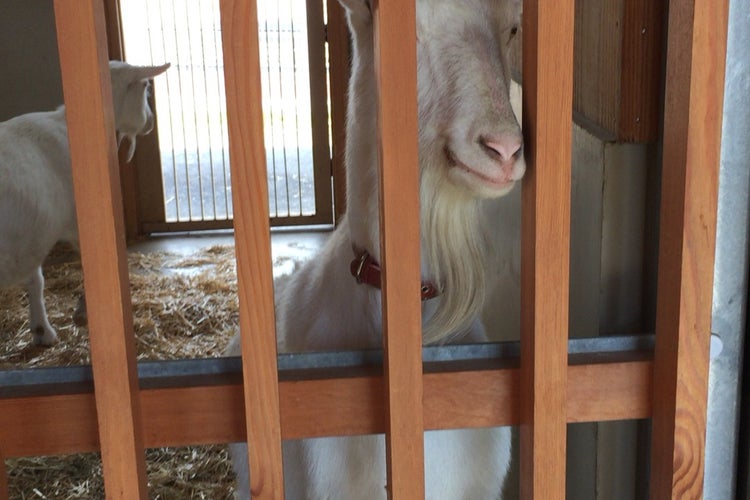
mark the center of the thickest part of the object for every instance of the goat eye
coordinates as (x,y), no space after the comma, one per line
(513,31)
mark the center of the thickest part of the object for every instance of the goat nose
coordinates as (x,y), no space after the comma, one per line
(503,147)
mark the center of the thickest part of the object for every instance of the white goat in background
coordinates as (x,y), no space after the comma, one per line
(37,208)
(470,150)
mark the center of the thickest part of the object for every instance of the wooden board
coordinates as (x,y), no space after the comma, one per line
(396,73)
(82,44)
(545,243)
(690,170)
(239,23)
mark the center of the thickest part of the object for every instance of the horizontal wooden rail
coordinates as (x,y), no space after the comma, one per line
(613,386)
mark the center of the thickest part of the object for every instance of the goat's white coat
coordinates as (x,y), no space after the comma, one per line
(466,125)
(37,208)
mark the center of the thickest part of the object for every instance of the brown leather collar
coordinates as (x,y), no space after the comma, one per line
(366,270)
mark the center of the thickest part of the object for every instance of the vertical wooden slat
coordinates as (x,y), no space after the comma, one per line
(395,63)
(82,45)
(547,115)
(696,51)
(239,24)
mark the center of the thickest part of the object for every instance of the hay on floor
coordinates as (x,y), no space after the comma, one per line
(184,306)
(200,472)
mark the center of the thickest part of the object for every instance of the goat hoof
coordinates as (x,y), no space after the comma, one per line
(44,336)
(80,316)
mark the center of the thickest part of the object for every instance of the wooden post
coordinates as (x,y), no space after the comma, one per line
(239,23)
(545,261)
(396,63)
(82,43)
(696,52)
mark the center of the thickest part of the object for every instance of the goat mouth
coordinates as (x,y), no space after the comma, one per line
(472,177)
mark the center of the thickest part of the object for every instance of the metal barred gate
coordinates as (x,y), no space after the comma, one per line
(126,413)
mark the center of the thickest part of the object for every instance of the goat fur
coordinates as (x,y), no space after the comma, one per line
(469,152)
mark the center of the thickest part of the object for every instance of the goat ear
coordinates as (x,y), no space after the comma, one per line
(147,72)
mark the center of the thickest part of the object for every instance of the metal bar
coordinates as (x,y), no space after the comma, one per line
(296,112)
(283,117)
(222,127)
(14,380)
(194,100)
(208,123)
(182,122)
(271,109)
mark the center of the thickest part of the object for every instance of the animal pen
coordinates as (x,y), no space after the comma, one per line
(178,403)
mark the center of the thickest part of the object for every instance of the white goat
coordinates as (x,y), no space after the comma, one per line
(37,208)
(470,150)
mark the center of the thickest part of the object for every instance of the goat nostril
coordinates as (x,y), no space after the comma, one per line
(504,147)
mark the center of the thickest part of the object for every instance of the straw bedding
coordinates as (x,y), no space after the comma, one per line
(183,306)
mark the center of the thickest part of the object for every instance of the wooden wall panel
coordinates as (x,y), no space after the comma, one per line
(82,44)
(641,63)
(618,68)
(690,168)
(239,23)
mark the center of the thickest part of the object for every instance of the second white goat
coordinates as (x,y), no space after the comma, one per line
(37,207)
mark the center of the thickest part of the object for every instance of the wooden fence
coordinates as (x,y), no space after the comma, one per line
(124,414)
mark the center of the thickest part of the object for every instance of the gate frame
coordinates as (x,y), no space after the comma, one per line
(122,415)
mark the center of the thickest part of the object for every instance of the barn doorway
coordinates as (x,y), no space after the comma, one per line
(183,177)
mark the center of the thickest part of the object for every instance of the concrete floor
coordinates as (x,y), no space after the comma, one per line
(287,246)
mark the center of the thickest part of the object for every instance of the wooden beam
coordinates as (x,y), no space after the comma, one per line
(694,92)
(239,23)
(396,74)
(545,239)
(82,43)
(316,405)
